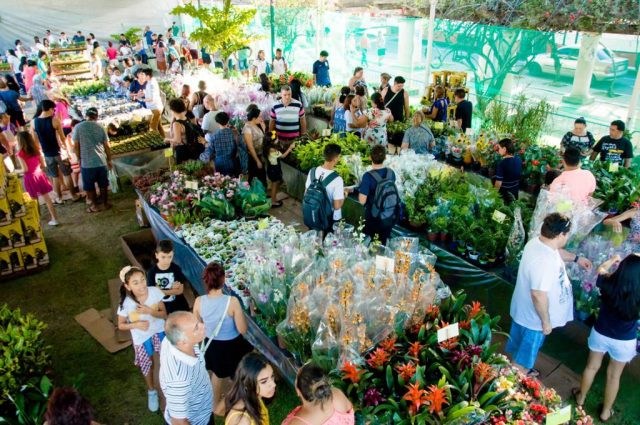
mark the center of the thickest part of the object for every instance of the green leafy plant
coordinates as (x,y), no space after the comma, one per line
(133,34)
(30,403)
(23,352)
(537,160)
(617,189)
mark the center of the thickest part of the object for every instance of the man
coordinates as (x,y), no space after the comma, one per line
(91,146)
(209,124)
(375,226)
(578,183)
(47,130)
(614,148)
(148,37)
(152,98)
(542,299)
(175,29)
(78,38)
(287,117)
(384,81)
(50,37)
(364,49)
(464,110)
(12,101)
(63,40)
(124,40)
(321,70)
(279,65)
(396,98)
(184,378)
(242,58)
(333,183)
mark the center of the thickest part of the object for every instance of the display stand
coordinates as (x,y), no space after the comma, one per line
(70,69)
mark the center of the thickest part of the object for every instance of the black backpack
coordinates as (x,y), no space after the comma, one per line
(193,148)
(317,208)
(386,200)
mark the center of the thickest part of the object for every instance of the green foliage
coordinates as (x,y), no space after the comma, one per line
(23,353)
(524,120)
(30,403)
(84,88)
(617,189)
(538,160)
(223,30)
(133,34)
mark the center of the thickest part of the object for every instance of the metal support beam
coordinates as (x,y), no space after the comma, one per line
(432,22)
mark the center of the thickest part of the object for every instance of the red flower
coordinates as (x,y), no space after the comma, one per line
(414,349)
(535,162)
(547,14)
(572,17)
(432,312)
(476,308)
(416,397)
(406,371)
(351,372)
(436,397)
(389,345)
(378,358)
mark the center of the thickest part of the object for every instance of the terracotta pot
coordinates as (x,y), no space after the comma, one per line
(443,236)
(432,236)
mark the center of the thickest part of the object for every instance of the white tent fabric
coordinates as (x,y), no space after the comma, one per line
(23,19)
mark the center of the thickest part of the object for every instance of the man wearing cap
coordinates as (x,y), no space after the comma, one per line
(91,145)
(321,70)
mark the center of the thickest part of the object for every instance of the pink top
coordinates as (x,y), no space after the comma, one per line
(33,162)
(28,73)
(338,418)
(579,184)
(112,53)
(62,113)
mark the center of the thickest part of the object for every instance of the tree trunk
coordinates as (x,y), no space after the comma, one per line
(584,70)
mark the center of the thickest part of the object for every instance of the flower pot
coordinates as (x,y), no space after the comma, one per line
(473,255)
(462,249)
(483,260)
(432,236)
(443,236)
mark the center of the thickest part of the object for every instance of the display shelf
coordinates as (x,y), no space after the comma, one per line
(74,62)
(57,50)
(71,72)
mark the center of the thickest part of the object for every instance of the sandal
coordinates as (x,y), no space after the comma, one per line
(277,204)
(533,373)
(601,410)
(92,209)
(575,392)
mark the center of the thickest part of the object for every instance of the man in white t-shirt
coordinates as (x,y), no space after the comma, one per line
(542,299)
(335,189)
(151,97)
(209,124)
(278,65)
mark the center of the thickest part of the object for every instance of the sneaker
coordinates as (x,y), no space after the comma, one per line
(153,402)
(54,223)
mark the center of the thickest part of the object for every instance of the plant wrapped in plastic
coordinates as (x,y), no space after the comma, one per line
(252,201)
(216,207)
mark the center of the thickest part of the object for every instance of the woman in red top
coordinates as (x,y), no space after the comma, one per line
(112,55)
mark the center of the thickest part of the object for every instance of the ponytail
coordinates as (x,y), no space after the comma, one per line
(377,100)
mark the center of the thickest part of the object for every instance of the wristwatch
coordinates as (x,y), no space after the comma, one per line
(575,260)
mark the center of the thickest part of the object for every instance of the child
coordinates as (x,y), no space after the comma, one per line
(274,169)
(142,312)
(73,158)
(35,181)
(168,277)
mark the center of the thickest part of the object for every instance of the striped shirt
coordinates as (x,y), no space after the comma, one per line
(287,119)
(186,385)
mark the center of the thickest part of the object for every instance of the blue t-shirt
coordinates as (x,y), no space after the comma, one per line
(368,186)
(442,105)
(339,123)
(321,71)
(509,171)
(609,322)
(147,36)
(10,98)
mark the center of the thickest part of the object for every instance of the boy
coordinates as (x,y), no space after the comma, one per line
(168,277)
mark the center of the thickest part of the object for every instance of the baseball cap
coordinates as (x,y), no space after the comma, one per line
(91,112)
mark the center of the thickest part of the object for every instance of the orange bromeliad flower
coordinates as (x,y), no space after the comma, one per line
(432,312)
(351,372)
(436,398)
(476,308)
(464,324)
(484,372)
(414,349)
(406,371)
(378,358)
(389,345)
(416,397)
(449,344)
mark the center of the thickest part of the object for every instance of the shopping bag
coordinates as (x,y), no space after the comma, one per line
(113,181)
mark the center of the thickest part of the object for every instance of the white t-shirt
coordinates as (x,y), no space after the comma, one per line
(260,65)
(128,310)
(209,124)
(15,63)
(542,269)
(335,190)
(152,91)
(278,66)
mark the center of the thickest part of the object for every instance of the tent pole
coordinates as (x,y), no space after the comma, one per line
(272,24)
(432,18)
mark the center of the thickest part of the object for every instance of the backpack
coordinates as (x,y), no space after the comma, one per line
(193,148)
(386,200)
(317,208)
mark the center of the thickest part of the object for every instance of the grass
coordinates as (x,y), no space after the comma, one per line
(85,252)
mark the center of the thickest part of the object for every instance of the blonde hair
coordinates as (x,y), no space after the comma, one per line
(418,118)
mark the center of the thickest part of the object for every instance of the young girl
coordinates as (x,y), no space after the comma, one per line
(274,169)
(35,180)
(142,312)
(254,381)
(73,158)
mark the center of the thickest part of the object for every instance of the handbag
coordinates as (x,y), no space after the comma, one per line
(216,330)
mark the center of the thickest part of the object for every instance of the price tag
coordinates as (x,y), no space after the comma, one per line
(385,264)
(191,184)
(168,153)
(560,416)
(499,216)
(448,332)
(613,167)
(326,132)
(263,224)
(564,206)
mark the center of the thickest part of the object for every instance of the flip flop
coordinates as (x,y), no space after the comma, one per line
(91,209)
(575,392)
(533,373)
(277,204)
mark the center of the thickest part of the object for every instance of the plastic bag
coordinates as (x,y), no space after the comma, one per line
(113,181)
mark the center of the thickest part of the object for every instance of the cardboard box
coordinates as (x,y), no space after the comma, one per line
(15,233)
(14,196)
(41,253)
(5,237)
(5,212)
(15,258)
(31,229)
(102,329)
(29,257)
(33,208)
(114,296)
(5,264)
(139,247)
(3,180)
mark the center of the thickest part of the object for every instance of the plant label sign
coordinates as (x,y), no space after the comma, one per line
(191,184)
(499,216)
(385,264)
(168,153)
(326,132)
(613,167)
(560,416)
(448,332)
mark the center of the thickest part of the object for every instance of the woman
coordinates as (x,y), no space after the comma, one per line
(364,101)
(616,223)
(14,62)
(615,330)
(12,101)
(178,133)
(296,92)
(579,137)
(112,54)
(384,81)
(357,80)
(62,110)
(260,65)
(322,404)
(66,406)
(253,382)
(100,55)
(29,71)
(508,171)
(161,58)
(338,121)
(338,103)
(185,95)
(42,64)
(224,324)
(253,134)
(355,120)
(418,137)
(440,106)
(378,117)
(198,107)
(265,84)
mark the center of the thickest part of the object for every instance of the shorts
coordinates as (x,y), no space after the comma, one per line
(222,357)
(620,351)
(16,117)
(144,352)
(524,345)
(55,163)
(91,176)
(243,65)
(274,172)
